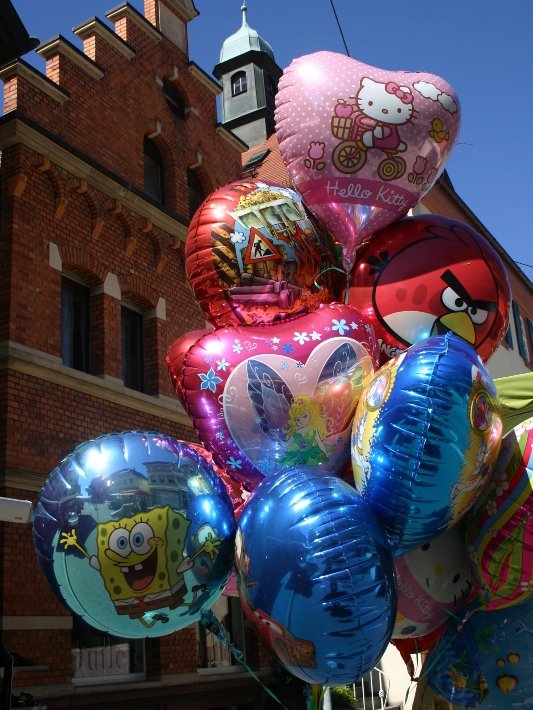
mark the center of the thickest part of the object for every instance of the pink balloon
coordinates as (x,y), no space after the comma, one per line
(361,144)
(176,355)
(266,398)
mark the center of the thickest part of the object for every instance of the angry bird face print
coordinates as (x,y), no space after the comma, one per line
(430,275)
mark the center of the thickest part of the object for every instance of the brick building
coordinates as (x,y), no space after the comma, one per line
(104,159)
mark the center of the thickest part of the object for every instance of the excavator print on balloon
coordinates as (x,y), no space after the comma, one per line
(141,563)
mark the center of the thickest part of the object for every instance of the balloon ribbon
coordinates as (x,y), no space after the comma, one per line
(210,622)
(342,271)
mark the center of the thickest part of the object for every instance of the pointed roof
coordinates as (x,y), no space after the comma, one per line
(244,40)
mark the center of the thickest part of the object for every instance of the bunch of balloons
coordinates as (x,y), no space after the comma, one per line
(293,387)
(355,440)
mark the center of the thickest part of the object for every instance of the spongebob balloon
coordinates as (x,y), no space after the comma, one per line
(135,532)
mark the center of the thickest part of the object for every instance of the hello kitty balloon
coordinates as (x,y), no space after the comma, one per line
(362,145)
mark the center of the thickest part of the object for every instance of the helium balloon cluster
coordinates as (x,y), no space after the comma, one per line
(356,440)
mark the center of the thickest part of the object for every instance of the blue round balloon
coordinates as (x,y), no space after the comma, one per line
(135,533)
(315,576)
(426,435)
(485,664)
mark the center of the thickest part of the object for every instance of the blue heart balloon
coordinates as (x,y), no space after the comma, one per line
(426,435)
(315,576)
(485,664)
(135,533)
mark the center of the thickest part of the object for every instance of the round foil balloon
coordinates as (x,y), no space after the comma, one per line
(500,526)
(315,576)
(265,398)
(135,533)
(426,434)
(434,583)
(362,145)
(485,664)
(427,275)
(252,255)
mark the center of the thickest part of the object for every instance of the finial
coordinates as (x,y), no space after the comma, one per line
(244,10)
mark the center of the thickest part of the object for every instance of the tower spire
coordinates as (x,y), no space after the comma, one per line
(244,10)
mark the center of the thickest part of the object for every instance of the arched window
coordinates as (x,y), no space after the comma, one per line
(153,172)
(196,191)
(174,99)
(238,83)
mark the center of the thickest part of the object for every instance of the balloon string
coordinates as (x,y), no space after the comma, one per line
(342,271)
(315,697)
(210,622)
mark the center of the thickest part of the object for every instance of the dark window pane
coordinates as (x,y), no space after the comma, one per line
(238,83)
(75,325)
(153,172)
(132,349)
(196,193)
(518,330)
(174,99)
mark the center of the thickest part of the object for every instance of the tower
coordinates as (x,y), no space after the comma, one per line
(249,76)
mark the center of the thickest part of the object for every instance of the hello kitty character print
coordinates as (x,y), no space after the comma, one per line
(369,120)
(390,106)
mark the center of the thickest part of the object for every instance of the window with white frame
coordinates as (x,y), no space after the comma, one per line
(239,84)
(212,653)
(98,657)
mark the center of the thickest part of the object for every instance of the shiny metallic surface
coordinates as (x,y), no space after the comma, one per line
(315,576)
(500,526)
(426,435)
(135,533)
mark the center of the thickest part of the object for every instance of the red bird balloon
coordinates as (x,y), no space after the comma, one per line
(428,275)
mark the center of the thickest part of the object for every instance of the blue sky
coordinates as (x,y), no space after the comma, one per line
(482,48)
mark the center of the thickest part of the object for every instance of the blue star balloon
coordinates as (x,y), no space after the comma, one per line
(426,434)
(315,576)
(135,533)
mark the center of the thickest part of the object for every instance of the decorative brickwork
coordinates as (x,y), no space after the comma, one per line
(73,206)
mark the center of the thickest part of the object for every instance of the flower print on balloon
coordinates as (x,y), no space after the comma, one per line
(287,394)
(315,156)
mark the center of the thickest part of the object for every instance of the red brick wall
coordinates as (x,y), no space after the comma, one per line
(107,118)
(42,418)
(150,270)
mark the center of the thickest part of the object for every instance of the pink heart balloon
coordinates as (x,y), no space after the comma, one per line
(266,398)
(362,145)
